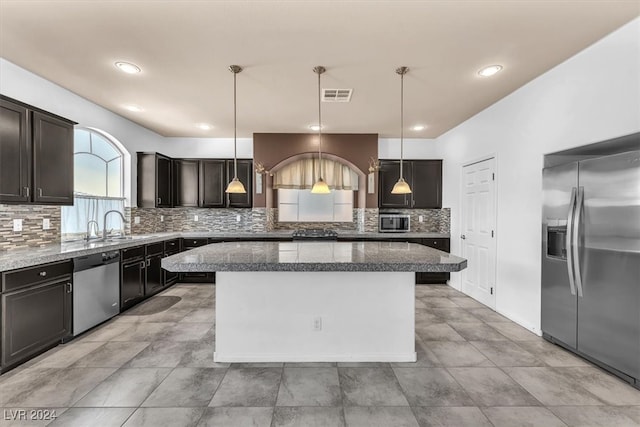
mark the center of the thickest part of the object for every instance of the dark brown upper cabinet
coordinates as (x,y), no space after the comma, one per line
(185,173)
(212,183)
(191,182)
(52,160)
(245,175)
(215,175)
(424,177)
(36,155)
(155,184)
(388,175)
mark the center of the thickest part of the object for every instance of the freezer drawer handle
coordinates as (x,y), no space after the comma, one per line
(569,241)
(575,236)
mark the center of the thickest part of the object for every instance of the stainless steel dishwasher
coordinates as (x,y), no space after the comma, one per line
(96,289)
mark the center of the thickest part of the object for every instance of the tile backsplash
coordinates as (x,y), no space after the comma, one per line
(156,220)
(32,234)
(152,220)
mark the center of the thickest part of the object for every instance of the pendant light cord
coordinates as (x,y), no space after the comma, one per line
(320,124)
(235,129)
(401,122)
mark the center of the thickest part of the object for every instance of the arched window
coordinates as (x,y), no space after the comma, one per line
(98,186)
(97,165)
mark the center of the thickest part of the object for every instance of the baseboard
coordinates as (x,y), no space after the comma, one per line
(299,358)
(515,319)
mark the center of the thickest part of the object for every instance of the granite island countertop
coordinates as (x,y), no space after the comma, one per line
(314,256)
(27,257)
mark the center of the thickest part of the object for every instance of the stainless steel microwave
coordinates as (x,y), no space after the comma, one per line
(394,223)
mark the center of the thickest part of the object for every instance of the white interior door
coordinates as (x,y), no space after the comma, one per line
(479,231)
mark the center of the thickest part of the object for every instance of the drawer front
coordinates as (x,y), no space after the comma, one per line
(17,279)
(440,244)
(198,277)
(155,248)
(193,243)
(132,253)
(172,245)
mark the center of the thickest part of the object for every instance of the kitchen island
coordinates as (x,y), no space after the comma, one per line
(314,301)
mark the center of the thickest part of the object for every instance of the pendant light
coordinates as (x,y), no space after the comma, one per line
(235,186)
(320,187)
(401,187)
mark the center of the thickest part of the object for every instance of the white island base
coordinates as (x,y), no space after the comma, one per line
(326,316)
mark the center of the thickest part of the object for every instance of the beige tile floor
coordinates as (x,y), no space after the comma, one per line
(475,368)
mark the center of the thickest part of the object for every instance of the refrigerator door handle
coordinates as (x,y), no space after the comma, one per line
(569,241)
(574,238)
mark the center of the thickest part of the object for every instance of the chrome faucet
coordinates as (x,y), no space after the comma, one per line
(104,231)
(89,229)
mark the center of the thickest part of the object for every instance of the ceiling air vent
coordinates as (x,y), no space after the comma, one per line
(336,95)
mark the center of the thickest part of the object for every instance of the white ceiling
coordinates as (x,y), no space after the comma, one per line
(185,47)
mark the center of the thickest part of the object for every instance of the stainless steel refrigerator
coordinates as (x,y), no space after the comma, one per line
(591,260)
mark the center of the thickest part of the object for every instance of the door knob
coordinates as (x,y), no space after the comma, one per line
(463,237)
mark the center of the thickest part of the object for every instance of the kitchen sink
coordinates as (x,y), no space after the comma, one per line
(118,238)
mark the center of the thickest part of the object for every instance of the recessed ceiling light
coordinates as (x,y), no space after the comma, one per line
(133,108)
(418,128)
(490,70)
(128,67)
(204,126)
(315,128)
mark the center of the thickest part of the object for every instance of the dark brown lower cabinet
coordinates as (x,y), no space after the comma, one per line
(154,281)
(196,277)
(171,247)
(132,278)
(434,278)
(34,319)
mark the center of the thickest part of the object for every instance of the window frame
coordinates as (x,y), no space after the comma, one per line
(120,158)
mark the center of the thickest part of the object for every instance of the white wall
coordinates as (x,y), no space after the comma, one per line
(414,148)
(591,97)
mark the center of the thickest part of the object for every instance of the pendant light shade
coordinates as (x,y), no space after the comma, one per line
(401,187)
(235,186)
(320,187)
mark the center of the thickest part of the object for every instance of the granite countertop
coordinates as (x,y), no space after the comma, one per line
(27,257)
(314,256)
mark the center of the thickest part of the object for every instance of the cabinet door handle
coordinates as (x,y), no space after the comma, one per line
(148,262)
(43,274)
(69,287)
(26,190)
(142,264)
(159,200)
(40,192)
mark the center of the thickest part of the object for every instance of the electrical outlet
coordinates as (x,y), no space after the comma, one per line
(317,323)
(420,218)
(238,218)
(195,218)
(136,220)
(17,225)
(46,223)
(161,218)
